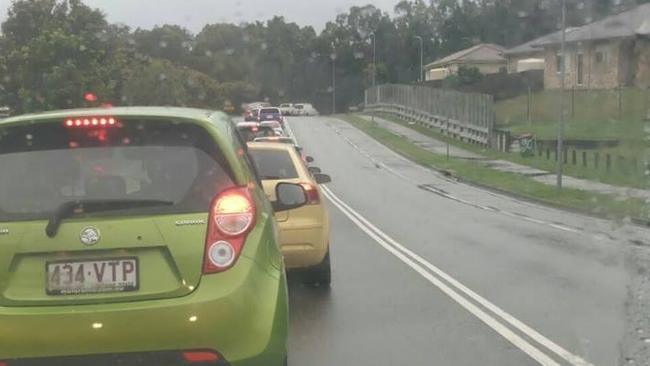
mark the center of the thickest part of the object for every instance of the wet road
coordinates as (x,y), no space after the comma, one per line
(428,271)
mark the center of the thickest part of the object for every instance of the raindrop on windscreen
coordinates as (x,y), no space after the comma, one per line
(580,5)
(230,51)
(162,77)
(246,38)
(314,54)
(358,55)
(162,44)
(330,89)
(28,137)
(82,48)
(264,46)
(131,41)
(522,14)
(208,53)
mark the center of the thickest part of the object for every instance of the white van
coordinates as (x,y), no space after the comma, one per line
(304,109)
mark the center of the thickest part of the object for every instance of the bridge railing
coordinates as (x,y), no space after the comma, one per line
(465,116)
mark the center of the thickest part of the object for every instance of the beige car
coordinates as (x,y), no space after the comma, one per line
(305,231)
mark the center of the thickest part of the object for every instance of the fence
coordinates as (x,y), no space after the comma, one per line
(464,116)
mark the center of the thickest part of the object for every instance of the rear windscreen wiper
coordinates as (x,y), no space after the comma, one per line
(67,209)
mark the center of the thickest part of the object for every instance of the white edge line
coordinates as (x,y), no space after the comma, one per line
(573,359)
(490,321)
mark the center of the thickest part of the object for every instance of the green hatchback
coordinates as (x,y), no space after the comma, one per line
(137,236)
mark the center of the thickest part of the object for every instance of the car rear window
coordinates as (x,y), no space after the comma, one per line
(273,164)
(51,164)
(270,110)
(298,106)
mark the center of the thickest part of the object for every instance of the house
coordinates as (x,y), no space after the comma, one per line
(487,58)
(528,56)
(608,53)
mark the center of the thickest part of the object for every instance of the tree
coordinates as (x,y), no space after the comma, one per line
(54,52)
(169,42)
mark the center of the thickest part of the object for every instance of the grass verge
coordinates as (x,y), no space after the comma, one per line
(617,176)
(476,173)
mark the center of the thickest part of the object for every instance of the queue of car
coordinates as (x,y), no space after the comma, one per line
(257,111)
(169,230)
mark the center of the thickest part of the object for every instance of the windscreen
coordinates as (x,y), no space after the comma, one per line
(273,164)
(51,164)
(270,111)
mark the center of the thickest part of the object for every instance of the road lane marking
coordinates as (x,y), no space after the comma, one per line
(410,258)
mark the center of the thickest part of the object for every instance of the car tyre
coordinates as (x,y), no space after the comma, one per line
(320,274)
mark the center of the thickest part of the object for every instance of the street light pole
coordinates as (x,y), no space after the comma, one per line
(374,59)
(421,73)
(560,131)
(333,57)
(374,69)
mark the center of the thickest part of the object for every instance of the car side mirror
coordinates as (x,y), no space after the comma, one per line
(309,159)
(322,178)
(289,196)
(314,169)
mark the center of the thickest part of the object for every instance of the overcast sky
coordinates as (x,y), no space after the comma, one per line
(194,14)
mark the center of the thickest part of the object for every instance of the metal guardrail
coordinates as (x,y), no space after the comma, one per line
(463,116)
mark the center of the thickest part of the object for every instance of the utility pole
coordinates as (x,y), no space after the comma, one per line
(421,73)
(560,130)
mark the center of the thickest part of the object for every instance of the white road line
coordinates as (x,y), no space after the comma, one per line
(409,257)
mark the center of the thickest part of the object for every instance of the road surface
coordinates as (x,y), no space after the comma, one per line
(428,271)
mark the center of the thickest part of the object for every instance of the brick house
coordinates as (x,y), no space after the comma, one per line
(528,56)
(608,53)
(487,58)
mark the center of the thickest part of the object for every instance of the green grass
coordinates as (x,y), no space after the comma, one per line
(478,173)
(621,174)
(592,114)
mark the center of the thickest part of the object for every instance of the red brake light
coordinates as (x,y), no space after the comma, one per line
(313,197)
(198,356)
(232,215)
(90,97)
(91,122)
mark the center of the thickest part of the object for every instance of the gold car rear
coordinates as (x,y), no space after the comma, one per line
(304,232)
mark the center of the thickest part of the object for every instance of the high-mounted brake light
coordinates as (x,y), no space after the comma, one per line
(91,122)
(232,216)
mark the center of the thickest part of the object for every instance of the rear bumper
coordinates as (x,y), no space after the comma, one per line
(303,248)
(241,314)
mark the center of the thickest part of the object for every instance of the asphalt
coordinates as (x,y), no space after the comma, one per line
(428,271)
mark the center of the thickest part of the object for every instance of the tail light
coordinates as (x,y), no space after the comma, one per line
(232,215)
(313,197)
(200,356)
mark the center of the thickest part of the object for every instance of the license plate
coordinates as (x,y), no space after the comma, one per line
(92,276)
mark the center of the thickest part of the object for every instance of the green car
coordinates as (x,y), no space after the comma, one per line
(137,236)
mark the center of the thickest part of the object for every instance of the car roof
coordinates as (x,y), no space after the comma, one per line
(155,112)
(276,139)
(270,146)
